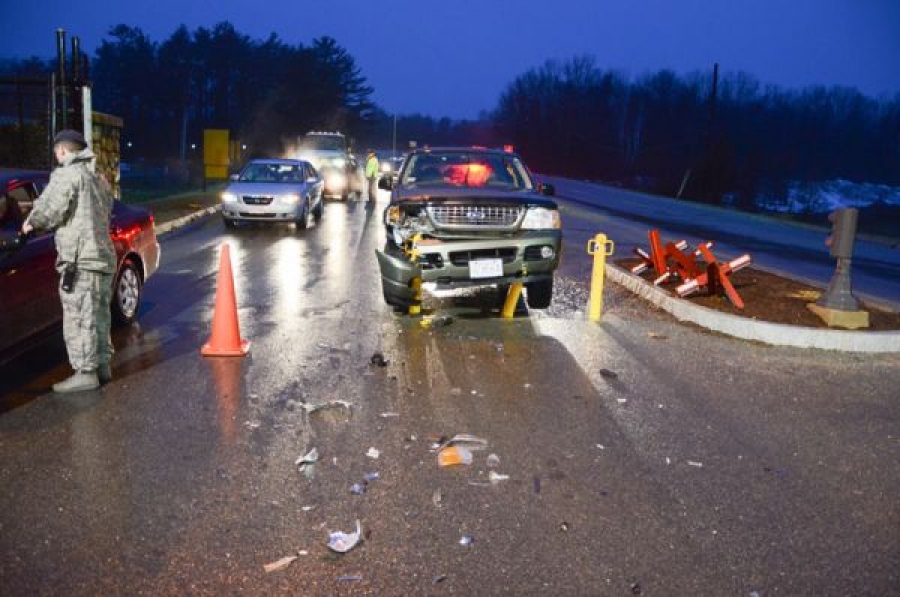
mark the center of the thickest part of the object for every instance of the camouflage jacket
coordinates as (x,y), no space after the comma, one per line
(77,206)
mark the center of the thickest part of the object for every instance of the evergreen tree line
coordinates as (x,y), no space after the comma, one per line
(733,140)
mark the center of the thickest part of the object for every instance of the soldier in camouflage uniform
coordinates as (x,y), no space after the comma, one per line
(77,206)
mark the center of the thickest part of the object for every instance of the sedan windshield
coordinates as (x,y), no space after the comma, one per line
(470,169)
(272,173)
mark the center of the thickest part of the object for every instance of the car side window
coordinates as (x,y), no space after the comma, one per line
(23,195)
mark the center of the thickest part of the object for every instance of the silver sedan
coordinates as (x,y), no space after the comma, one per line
(274,190)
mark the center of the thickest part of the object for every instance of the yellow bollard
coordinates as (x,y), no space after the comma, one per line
(512,298)
(600,247)
(416,284)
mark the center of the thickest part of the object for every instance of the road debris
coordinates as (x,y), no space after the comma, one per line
(388,415)
(495,477)
(438,579)
(437,498)
(373,453)
(452,455)
(369,477)
(311,408)
(436,322)
(358,489)
(695,463)
(466,540)
(607,374)
(378,360)
(279,564)
(310,457)
(472,442)
(493,461)
(622,400)
(350,578)
(537,484)
(343,542)
(564,527)
(657,336)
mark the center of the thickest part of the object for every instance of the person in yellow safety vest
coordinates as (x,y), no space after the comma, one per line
(372,175)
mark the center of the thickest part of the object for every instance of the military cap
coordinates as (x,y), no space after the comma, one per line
(70,136)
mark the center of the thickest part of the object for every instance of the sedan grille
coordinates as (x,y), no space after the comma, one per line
(475,216)
(256,200)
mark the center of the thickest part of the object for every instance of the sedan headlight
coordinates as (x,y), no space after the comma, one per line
(541,218)
(228,198)
(290,199)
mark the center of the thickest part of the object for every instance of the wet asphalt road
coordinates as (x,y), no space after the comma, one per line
(644,456)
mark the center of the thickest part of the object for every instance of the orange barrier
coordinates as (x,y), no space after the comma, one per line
(226,334)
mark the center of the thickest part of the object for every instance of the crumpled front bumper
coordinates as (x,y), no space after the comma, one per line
(435,266)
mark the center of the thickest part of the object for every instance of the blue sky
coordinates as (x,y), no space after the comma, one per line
(455,58)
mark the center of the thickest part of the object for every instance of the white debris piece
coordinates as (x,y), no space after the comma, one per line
(343,542)
(310,457)
(373,453)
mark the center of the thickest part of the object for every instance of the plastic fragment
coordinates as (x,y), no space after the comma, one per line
(279,564)
(476,443)
(357,489)
(657,336)
(369,477)
(373,453)
(311,408)
(438,579)
(437,498)
(564,527)
(454,455)
(386,415)
(493,461)
(601,446)
(622,400)
(310,457)
(694,463)
(466,540)
(497,477)
(343,542)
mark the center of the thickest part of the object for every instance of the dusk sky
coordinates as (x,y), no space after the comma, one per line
(455,58)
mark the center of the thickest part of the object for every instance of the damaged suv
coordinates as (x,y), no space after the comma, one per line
(468,217)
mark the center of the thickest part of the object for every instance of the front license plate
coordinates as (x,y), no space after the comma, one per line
(486,268)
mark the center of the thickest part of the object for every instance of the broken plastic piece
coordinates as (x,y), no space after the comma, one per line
(357,489)
(310,457)
(693,463)
(475,443)
(369,477)
(497,477)
(343,542)
(311,408)
(386,415)
(280,564)
(436,498)
(454,455)
(466,540)
(493,461)
(373,453)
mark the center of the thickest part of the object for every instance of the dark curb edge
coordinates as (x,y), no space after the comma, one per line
(750,329)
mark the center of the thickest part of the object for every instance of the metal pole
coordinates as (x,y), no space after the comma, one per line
(61,59)
(600,247)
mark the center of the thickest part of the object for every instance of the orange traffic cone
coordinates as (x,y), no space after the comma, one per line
(226,334)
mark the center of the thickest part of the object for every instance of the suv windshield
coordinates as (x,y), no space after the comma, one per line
(272,173)
(470,169)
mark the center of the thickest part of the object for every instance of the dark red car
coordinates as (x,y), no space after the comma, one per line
(29,295)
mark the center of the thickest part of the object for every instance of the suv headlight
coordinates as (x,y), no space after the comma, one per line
(228,197)
(541,218)
(290,199)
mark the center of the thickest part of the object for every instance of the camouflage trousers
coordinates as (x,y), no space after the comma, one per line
(87,320)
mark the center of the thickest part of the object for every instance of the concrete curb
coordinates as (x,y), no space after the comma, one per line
(750,329)
(185,220)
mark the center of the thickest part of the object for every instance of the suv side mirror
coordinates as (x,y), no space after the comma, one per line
(546,188)
(386,183)
(234,177)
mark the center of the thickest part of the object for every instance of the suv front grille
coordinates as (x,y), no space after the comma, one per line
(257,200)
(475,216)
(462,258)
